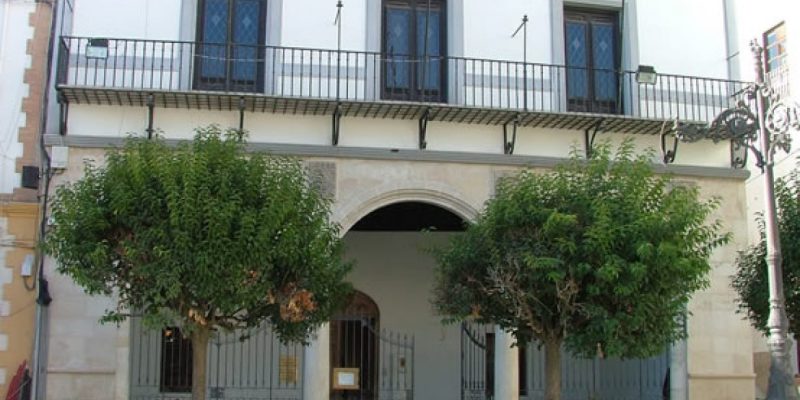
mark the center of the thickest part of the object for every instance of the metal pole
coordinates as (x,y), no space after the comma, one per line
(525,59)
(781,385)
(339,6)
(524,27)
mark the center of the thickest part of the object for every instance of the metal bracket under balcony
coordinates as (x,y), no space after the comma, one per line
(202,100)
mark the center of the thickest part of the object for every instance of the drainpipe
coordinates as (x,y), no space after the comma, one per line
(731,44)
(43,300)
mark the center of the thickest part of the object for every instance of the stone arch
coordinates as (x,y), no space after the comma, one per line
(447,198)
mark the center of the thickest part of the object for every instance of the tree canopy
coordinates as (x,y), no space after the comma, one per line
(750,280)
(202,235)
(599,255)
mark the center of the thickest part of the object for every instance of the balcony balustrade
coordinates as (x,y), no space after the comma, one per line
(371,84)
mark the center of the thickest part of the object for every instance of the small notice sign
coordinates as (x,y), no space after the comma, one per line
(288,370)
(345,378)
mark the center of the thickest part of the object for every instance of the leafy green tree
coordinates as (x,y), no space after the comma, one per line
(598,255)
(750,280)
(204,236)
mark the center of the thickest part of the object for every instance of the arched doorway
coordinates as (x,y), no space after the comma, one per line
(355,349)
(415,356)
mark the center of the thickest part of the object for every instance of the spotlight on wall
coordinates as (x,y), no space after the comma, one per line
(646,75)
(97,48)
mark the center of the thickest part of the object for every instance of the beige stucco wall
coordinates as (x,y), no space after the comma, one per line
(17,304)
(89,361)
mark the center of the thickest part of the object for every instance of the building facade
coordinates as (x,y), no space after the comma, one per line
(408,112)
(24,39)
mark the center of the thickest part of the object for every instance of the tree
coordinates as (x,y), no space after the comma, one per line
(598,255)
(750,280)
(204,236)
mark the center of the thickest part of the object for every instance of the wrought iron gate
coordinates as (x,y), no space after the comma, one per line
(477,361)
(241,365)
(581,379)
(384,360)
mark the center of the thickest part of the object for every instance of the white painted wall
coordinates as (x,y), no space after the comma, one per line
(309,23)
(14,35)
(130,19)
(488,32)
(684,37)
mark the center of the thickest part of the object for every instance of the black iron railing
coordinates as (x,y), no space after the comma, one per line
(164,65)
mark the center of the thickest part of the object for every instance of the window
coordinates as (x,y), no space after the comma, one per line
(414,42)
(591,43)
(230,52)
(176,361)
(775,47)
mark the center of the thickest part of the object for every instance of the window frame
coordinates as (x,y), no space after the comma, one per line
(591,104)
(228,85)
(782,43)
(416,92)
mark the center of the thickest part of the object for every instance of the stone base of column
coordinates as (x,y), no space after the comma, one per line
(506,366)
(316,366)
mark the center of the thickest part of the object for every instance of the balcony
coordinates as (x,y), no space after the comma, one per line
(178,74)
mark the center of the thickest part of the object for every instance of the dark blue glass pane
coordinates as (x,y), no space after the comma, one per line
(247,24)
(246,29)
(215,21)
(429,69)
(213,60)
(577,78)
(215,30)
(398,48)
(605,82)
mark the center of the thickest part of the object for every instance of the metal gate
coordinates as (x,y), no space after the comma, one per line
(241,365)
(581,379)
(383,360)
(477,361)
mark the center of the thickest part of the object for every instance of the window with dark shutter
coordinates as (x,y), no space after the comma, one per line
(230,49)
(414,42)
(592,48)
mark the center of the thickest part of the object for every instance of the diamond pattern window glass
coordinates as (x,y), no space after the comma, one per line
(591,53)
(414,39)
(605,82)
(230,51)
(398,50)
(576,59)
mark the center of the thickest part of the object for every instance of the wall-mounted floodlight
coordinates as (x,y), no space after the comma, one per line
(647,75)
(97,48)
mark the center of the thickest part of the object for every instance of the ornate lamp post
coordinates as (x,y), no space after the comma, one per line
(762,133)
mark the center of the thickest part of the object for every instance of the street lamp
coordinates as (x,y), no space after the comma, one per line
(769,127)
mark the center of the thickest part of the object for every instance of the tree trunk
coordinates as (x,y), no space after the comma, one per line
(552,368)
(200,336)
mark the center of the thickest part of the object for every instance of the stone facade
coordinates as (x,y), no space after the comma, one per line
(91,361)
(17,297)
